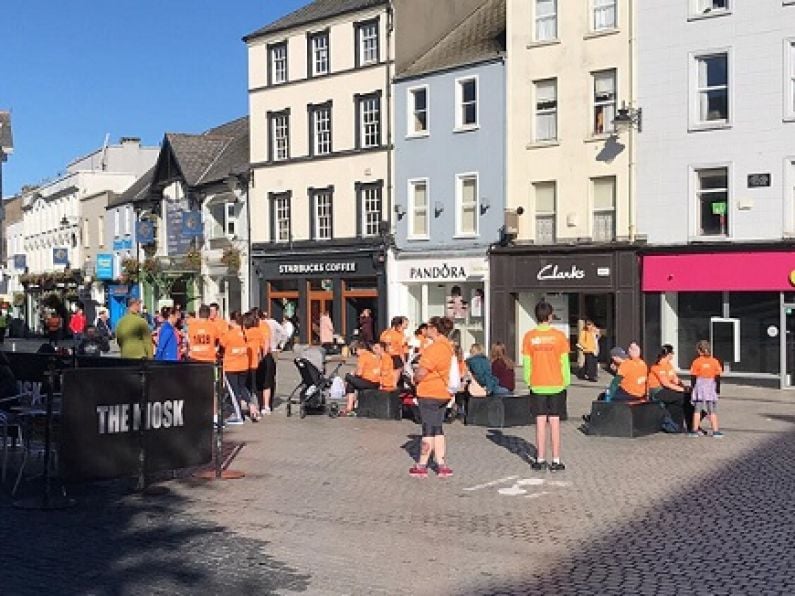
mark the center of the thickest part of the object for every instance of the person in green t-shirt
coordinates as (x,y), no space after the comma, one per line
(132,332)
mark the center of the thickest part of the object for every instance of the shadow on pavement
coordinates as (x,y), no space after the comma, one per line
(730,532)
(113,542)
(412,446)
(517,445)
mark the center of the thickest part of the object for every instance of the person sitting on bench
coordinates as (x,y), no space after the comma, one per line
(665,386)
(480,368)
(630,381)
(373,371)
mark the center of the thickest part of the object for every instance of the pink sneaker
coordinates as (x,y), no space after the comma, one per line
(444,472)
(418,471)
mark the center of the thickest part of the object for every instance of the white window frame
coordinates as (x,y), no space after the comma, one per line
(552,17)
(696,123)
(86,232)
(706,8)
(608,125)
(282,206)
(117,222)
(277,68)
(378,190)
(411,111)
(695,210)
(128,217)
(459,206)
(597,210)
(369,127)
(101,231)
(316,197)
(412,208)
(281,142)
(544,112)
(230,220)
(546,214)
(321,54)
(321,138)
(374,29)
(459,103)
(789,79)
(598,6)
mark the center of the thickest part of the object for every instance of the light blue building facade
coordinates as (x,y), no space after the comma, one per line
(450,176)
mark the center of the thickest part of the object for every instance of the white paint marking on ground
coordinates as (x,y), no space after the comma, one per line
(513,491)
(530,482)
(558,483)
(536,495)
(492,483)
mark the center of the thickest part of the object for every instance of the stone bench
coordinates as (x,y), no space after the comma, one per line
(625,418)
(498,411)
(385,405)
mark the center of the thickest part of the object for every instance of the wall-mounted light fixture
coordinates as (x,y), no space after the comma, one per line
(485,205)
(400,210)
(628,118)
(438,208)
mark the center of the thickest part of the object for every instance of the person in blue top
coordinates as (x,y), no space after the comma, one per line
(167,339)
(480,367)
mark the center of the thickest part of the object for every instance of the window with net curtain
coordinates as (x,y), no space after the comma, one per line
(604,101)
(468,205)
(544,194)
(546,20)
(604,14)
(604,212)
(419,209)
(713,87)
(546,110)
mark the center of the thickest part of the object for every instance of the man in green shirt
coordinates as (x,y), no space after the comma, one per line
(133,334)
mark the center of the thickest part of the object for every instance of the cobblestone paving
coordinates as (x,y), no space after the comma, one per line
(327,508)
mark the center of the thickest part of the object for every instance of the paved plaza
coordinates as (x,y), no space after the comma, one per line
(327,507)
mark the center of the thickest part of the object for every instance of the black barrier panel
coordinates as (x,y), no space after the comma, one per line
(33,367)
(102,417)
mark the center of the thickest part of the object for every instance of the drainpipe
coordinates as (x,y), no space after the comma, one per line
(249,182)
(631,147)
(390,27)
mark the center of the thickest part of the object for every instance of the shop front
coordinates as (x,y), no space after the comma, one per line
(302,284)
(443,285)
(580,284)
(742,300)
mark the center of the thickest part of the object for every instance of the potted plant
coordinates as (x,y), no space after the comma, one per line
(231,258)
(129,270)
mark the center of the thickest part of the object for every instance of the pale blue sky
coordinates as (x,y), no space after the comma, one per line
(73,70)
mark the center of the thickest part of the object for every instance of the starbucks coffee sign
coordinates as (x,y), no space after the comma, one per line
(310,268)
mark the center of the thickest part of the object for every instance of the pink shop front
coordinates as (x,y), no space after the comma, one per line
(742,300)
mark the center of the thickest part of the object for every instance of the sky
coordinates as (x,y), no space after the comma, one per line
(72,71)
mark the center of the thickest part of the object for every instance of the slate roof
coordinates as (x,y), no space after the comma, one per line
(202,158)
(318,10)
(6,138)
(479,37)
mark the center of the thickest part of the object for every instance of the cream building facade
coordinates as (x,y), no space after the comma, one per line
(319,89)
(569,174)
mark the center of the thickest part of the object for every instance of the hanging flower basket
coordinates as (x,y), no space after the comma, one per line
(231,258)
(193,260)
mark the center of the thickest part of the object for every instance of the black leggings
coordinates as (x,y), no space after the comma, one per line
(673,402)
(432,416)
(355,383)
(237,383)
(591,365)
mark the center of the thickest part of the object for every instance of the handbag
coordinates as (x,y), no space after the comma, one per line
(475,389)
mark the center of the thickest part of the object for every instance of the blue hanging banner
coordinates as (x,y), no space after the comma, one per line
(20,262)
(60,256)
(145,232)
(191,224)
(104,266)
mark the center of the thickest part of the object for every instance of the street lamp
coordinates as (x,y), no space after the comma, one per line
(628,118)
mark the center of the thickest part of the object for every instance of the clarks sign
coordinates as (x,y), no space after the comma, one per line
(553,272)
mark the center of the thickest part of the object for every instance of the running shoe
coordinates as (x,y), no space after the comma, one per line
(234,421)
(693,435)
(718,435)
(556,467)
(444,472)
(266,411)
(539,466)
(418,471)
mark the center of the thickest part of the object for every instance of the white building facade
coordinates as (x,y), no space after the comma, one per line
(716,173)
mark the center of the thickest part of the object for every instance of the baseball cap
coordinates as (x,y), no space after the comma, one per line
(619,352)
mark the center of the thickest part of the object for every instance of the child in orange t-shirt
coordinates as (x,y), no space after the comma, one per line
(705,395)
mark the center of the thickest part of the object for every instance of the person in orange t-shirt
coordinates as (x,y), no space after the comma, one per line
(705,369)
(254,341)
(632,377)
(372,365)
(236,361)
(665,386)
(395,340)
(202,337)
(547,373)
(433,380)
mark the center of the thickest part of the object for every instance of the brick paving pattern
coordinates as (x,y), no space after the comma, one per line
(327,508)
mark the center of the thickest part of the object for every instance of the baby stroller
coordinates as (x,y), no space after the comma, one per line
(314,390)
